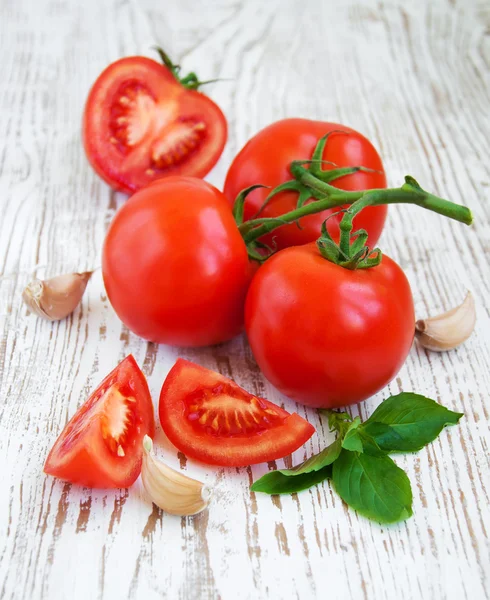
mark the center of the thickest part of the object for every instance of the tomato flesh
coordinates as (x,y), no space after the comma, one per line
(210,418)
(266,158)
(101,446)
(141,124)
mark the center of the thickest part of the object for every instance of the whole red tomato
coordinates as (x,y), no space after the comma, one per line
(143,122)
(266,158)
(325,335)
(175,267)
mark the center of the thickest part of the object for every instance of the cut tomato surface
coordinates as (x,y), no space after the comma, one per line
(140,124)
(101,446)
(212,419)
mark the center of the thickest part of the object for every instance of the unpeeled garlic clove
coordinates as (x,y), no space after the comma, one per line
(170,490)
(56,298)
(448,330)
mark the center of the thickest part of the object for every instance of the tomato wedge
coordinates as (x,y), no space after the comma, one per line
(101,446)
(142,123)
(212,419)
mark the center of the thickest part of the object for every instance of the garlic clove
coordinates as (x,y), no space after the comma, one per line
(449,330)
(170,490)
(56,298)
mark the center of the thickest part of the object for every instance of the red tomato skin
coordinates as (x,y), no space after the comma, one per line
(174,264)
(326,336)
(88,462)
(130,171)
(233,451)
(266,158)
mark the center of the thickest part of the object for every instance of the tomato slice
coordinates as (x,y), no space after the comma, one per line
(141,124)
(210,418)
(101,446)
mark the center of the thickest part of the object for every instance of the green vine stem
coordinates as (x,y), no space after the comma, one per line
(314,183)
(409,193)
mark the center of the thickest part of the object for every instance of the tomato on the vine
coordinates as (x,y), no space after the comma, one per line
(266,159)
(175,266)
(101,446)
(210,418)
(143,122)
(325,335)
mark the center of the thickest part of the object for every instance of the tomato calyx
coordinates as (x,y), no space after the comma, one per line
(315,183)
(351,252)
(190,81)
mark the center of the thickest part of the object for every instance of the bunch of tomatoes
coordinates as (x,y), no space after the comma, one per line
(186,264)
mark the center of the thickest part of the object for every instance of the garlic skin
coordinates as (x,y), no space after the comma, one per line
(449,330)
(170,490)
(56,298)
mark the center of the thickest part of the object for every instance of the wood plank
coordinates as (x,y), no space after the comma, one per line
(413,77)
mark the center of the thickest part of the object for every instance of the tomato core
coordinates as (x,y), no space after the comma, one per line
(117,420)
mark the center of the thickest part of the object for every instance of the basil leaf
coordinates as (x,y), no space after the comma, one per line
(373,485)
(358,440)
(408,422)
(276,482)
(301,476)
(317,461)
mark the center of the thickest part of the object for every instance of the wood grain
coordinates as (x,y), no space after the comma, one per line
(414,78)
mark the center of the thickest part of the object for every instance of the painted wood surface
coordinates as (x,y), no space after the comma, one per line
(413,77)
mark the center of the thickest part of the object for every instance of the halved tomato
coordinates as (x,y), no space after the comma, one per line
(210,418)
(142,123)
(101,446)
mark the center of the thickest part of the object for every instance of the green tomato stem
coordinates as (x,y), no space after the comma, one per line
(315,183)
(190,81)
(329,197)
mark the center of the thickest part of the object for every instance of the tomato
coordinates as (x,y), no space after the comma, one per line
(210,418)
(175,266)
(324,335)
(140,124)
(266,158)
(101,446)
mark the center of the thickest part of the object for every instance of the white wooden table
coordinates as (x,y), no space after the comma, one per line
(414,78)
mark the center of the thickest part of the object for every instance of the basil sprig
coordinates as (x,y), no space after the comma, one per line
(363,474)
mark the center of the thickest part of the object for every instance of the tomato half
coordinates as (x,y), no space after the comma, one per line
(210,418)
(101,446)
(141,124)
(266,158)
(324,335)
(175,266)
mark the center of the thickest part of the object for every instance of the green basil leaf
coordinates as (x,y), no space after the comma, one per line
(317,461)
(358,440)
(352,441)
(302,476)
(276,482)
(408,422)
(373,485)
